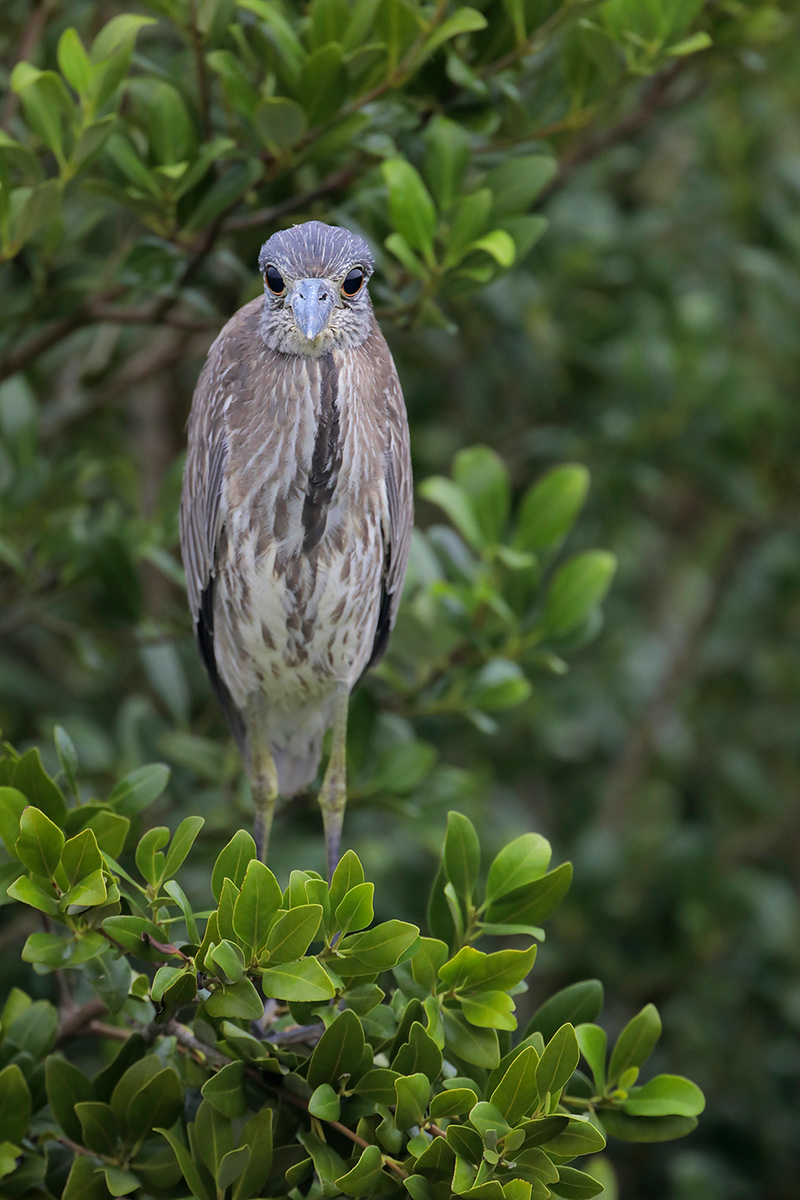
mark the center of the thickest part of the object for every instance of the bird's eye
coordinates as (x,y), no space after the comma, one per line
(274,281)
(353,282)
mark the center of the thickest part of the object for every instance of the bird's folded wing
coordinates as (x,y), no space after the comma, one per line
(400,497)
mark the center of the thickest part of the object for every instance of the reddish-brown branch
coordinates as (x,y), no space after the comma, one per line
(265,216)
(78,1020)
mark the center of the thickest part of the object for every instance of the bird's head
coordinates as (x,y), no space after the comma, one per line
(315,289)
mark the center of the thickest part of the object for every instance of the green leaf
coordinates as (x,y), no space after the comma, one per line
(378,949)
(280,123)
(364,1178)
(338,1052)
(169,127)
(66,1086)
(324,1103)
(550,508)
(472,970)
(257,1136)
(666,1095)
(306,980)
(356,910)
(98,1126)
(49,950)
(85,1182)
(232,862)
(520,862)
(89,892)
(543,1130)
(483,476)
(39,843)
(348,874)
(477,1046)
(226,961)
(214,1136)
(29,891)
(645,1129)
(577,588)
(47,104)
(499,684)
(580,1137)
(430,956)
(187,1166)
(636,1042)
(516,1093)
(12,805)
(182,841)
(462,855)
(410,206)
(592,1041)
(109,828)
(256,906)
(377,1085)
(73,61)
(80,857)
(579,1002)
(65,747)
(558,1062)
(33,1029)
(119,1181)
(575,1185)
(485,1117)
(418,1053)
(490,1010)
(158,1102)
(176,892)
(232,1167)
(293,932)
(499,245)
(534,902)
(413,1093)
(454,501)
(463,20)
(110,977)
(516,183)
(130,931)
(238,999)
(15,1104)
(139,789)
(690,45)
(323,83)
(446,160)
(452,1102)
(148,859)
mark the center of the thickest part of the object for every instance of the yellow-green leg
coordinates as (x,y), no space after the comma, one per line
(263,785)
(333,794)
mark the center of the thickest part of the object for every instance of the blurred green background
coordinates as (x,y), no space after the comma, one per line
(651,335)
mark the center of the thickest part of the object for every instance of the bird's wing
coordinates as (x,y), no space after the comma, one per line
(202,483)
(202,516)
(400,508)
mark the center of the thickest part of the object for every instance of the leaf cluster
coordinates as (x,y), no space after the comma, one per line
(284,1043)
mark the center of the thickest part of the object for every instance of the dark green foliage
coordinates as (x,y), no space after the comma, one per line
(210,1074)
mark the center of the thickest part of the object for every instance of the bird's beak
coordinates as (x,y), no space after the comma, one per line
(312,304)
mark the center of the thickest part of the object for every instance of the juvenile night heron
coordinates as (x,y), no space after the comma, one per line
(296,513)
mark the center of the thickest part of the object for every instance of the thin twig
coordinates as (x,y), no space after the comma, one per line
(31,35)
(78,1020)
(200,63)
(658,95)
(265,216)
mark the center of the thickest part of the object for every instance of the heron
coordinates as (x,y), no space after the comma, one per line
(296,514)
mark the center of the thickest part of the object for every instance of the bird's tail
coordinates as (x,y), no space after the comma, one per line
(296,772)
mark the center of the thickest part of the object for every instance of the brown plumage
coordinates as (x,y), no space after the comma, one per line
(296,512)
